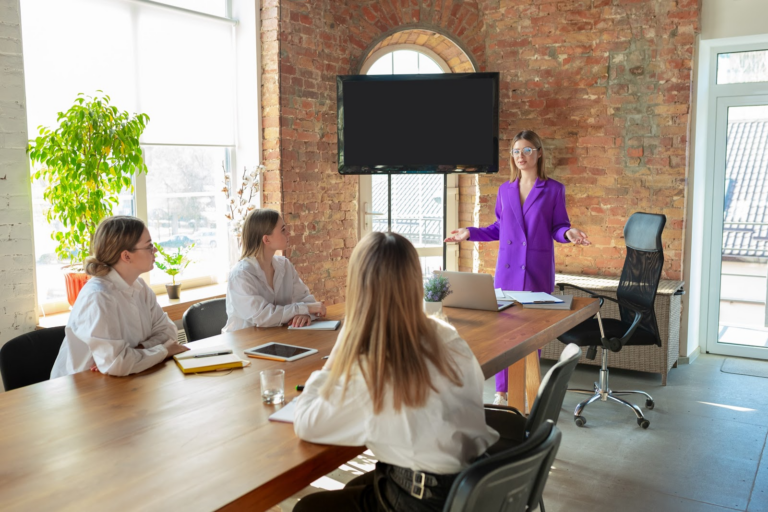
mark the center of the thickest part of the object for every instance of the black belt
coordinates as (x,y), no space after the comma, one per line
(418,483)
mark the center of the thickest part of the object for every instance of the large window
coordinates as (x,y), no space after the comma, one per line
(182,64)
(411,205)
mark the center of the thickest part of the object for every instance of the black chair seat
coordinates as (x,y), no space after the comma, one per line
(587,333)
(205,319)
(509,424)
(29,358)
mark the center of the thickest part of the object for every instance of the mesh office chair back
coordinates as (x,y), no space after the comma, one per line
(510,481)
(642,269)
(205,319)
(28,359)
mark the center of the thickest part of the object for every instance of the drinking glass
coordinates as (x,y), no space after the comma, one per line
(272,386)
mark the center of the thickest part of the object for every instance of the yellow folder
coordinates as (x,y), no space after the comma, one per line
(191,364)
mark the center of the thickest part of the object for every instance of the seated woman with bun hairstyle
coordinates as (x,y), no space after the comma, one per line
(116,325)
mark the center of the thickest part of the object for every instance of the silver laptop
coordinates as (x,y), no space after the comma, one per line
(472,291)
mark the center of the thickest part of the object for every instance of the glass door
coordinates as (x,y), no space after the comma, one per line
(739,253)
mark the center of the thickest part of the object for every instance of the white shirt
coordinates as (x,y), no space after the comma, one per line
(252,302)
(444,436)
(108,321)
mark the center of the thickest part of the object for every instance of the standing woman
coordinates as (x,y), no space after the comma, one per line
(265,290)
(116,325)
(405,385)
(530,213)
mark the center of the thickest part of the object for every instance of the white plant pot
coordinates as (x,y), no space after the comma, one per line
(433,308)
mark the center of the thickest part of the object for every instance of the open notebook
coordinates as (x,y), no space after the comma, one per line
(209,359)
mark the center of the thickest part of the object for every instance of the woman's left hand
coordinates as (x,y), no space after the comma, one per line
(301,320)
(577,237)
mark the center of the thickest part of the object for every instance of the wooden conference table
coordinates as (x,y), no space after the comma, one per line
(162,440)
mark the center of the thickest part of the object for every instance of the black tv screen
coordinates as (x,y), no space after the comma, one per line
(401,124)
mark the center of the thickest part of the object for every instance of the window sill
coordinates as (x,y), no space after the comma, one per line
(174,307)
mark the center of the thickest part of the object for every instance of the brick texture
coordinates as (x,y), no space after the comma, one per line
(17,261)
(606,83)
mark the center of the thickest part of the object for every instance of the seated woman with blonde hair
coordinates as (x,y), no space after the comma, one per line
(406,386)
(264,290)
(116,325)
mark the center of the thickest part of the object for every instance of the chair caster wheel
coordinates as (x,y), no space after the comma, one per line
(649,404)
(643,423)
(580,421)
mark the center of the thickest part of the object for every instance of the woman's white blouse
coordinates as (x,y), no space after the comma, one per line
(108,321)
(251,302)
(443,437)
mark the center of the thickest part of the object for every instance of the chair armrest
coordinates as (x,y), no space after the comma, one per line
(503,408)
(590,292)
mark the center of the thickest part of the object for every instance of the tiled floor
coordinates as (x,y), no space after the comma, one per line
(704,451)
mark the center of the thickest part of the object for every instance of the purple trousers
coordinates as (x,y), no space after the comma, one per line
(502,379)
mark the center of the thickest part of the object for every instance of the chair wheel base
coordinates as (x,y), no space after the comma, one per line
(644,423)
(580,421)
(649,404)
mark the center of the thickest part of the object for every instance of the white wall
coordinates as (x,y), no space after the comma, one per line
(17,254)
(732,18)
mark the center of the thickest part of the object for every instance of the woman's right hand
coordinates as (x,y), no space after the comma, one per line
(317,309)
(175,348)
(458,235)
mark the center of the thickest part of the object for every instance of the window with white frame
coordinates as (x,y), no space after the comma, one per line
(178,63)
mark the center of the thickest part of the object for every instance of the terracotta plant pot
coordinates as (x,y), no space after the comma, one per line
(74,282)
(173,290)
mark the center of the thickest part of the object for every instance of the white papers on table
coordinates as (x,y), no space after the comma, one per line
(526,297)
(322,325)
(285,414)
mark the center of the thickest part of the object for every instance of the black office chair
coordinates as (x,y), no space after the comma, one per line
(28,359)
(635,297)
(513,426)
(509,481)
(205,319)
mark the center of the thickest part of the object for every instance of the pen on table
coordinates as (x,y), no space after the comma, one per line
(210,354)
(544,302)
(299,387)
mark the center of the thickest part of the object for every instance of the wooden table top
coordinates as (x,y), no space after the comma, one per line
(162,440)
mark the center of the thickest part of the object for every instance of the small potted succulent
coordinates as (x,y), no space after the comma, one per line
(436,289)
(173,264)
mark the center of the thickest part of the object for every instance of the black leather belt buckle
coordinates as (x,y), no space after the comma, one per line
(417,485)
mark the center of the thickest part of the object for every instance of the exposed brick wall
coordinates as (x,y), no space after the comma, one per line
(606,83)
(17,260)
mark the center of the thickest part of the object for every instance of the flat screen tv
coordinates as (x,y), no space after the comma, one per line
(400,124)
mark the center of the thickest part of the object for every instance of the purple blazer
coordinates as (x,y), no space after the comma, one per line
(526,259)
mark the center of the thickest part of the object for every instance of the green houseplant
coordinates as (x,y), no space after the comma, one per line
(86,162)
(173,264)
(436,289)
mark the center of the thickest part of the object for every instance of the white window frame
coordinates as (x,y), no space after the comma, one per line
(452,185)
(706,216)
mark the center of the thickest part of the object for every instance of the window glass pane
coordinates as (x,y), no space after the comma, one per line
(428,66)
(406,62)
(383,66)
(742,67)
(380,195)
(417,208)
(215,7)
(429,264)
(185,205)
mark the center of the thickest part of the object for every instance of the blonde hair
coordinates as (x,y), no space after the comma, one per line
(258,223)
(113,236)
(386,332)
(534,139)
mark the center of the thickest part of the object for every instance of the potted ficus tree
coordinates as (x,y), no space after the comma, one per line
(86,162)
(173,264)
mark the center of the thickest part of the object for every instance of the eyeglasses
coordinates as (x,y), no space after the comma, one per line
(525,151)
(153,249)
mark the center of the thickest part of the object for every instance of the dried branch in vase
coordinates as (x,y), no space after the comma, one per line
(240,198)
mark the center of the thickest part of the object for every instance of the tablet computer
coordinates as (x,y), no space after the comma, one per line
(280,352)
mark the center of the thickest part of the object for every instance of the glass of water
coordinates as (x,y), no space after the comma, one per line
(272,386)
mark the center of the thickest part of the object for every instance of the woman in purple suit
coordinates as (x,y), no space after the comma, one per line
(530,213)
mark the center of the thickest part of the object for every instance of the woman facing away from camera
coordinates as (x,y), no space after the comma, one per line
(116,325)
(530,214)
(405,385)
(264,290)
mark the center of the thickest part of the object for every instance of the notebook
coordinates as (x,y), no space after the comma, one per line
(285,414)
(206,362)
(527,297)
(566,304)
(323,325)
